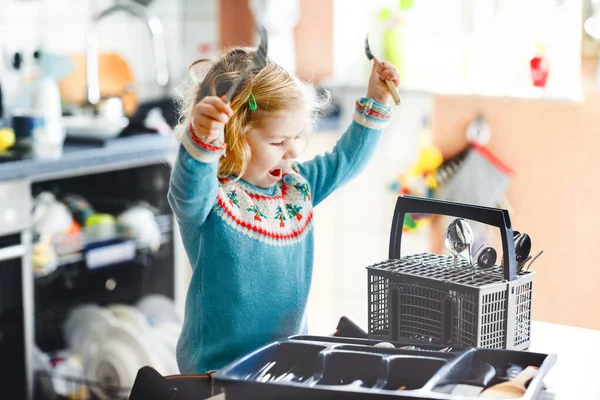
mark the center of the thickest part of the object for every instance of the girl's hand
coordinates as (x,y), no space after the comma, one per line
(209,118)
(377,89)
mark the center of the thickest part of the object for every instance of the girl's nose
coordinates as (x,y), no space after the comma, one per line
(293,150)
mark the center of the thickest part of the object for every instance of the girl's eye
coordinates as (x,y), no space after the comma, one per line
(278,144)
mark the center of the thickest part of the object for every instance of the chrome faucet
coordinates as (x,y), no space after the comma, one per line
(158,45)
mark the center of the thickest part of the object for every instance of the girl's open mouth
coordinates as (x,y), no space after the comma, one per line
(275,173)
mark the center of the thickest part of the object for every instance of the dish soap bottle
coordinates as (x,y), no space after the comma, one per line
(46,101)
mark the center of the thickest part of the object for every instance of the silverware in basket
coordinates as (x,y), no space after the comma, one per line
(459,237)
(487,258)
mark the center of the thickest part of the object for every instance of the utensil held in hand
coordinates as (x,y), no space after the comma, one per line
(257,62)
(390,85)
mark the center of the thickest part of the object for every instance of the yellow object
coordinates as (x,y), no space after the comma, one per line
(7,138)
(431,181)
(43,256)
(430,157)
(429,160)
(100,227)
(385,14)
(540,48)
(99,219)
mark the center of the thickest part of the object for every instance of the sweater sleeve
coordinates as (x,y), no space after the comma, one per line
(325,173)
(194,184)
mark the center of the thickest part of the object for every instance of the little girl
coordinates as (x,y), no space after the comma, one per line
(244,206)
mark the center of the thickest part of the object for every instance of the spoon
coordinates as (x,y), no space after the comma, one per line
(512,389)
(390,85)
(487,258)
(459,237)
(522,247)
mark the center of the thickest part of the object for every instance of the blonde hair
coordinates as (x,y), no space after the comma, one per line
(274,89)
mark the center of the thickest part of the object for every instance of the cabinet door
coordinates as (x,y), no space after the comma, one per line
(12,333)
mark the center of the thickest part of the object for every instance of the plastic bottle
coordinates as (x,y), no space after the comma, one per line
(46,101)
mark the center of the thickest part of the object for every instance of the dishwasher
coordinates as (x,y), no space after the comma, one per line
(94,323)
(16,300)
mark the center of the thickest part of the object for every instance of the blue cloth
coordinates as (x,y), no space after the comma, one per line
(251,249)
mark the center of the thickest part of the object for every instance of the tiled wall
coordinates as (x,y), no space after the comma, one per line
(61,26)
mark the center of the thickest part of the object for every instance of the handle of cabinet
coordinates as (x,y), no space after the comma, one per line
(11,252)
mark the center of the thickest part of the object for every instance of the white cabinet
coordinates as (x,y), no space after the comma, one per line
(480,47)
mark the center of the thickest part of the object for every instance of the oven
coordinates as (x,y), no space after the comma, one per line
(16,291)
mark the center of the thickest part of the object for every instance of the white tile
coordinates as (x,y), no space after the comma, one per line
(201,7)
(200,40)
(20,35)
(167,9)
(200,32)
(163,9)
(65,38)
(53,9)
(173,33)
(202,18)
(99,5)
(121,33)
(12,11)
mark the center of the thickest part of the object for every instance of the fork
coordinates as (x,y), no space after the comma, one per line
(259,61)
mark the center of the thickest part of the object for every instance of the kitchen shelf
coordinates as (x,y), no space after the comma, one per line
(78,160)
(567,95)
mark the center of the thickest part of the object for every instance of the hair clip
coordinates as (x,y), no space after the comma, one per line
(252,102)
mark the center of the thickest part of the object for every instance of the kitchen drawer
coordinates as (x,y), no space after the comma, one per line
(15,206)
(12,360)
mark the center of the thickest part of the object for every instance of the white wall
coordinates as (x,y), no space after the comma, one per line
(352,226)
(61,26)
(467,46)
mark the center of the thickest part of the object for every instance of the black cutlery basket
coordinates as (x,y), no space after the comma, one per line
(427,298)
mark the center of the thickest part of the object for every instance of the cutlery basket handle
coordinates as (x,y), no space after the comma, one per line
(487,215)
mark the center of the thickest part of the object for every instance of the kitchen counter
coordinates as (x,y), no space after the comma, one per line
(578,350)
(574,375)
(120,153)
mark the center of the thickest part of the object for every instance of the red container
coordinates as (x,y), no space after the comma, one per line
(540,66)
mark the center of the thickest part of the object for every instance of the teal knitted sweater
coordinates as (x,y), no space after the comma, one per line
(251,249)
